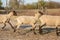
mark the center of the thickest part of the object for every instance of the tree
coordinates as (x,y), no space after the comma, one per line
(31,6)
(14,4)
(42,5)
(0,3)
(21,4)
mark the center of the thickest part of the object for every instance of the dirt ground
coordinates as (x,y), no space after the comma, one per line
(8,34)
(48,33)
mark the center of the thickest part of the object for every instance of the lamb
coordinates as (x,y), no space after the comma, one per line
(49,20)
(28,20)
(6,18)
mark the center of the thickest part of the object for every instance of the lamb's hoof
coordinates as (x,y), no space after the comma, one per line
(40,33)
(2,27)
(14,30)
(58,33)
(35,33)
(31,29)
(24,34)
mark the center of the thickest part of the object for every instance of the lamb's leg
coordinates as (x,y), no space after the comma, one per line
(12,26)
(4,26)
(57,31)
(34,31)
(40,30)
(33,28)
(17,26)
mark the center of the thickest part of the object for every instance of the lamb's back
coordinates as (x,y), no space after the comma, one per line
(50,20)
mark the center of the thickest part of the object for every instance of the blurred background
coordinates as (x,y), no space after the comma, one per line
(29,4)
(25,6)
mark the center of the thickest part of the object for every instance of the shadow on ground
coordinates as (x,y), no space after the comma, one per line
(48,30)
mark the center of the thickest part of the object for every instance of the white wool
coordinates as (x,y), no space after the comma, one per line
(50,20)
(27,20)
(4,18)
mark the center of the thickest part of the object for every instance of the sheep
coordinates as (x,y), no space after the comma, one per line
(6,18)
(31,20)
(49,20)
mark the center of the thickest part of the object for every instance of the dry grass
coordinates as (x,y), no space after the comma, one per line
(10,35)
(48,34)
(53,12)
(32,12)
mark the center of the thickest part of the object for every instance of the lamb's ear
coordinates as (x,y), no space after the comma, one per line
(41,12)
(14,12)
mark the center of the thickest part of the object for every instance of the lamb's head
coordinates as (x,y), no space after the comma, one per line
(11,13)
(41,13)
(38,14)
(14,13)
